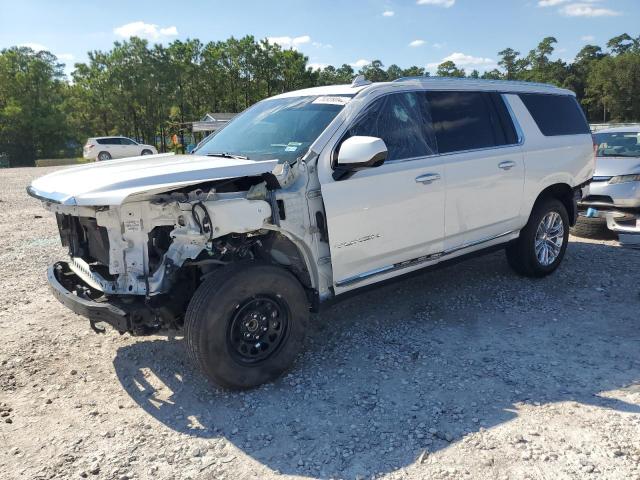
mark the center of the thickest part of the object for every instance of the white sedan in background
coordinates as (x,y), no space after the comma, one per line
(106,148)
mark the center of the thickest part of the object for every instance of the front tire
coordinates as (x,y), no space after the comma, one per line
(245,324)
(543,241)
(146,151)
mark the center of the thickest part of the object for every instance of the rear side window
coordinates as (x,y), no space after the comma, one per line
(402,120)
(470,120)
(556,114)
(109,141)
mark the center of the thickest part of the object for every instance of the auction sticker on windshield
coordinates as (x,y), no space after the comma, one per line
(331,100)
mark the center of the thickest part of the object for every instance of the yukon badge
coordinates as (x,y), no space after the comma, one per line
(351,243)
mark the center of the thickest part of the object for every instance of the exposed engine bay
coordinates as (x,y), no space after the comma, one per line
(150,254)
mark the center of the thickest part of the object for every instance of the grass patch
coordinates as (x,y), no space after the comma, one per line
(57,162)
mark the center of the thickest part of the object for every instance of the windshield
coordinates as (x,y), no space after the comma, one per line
(282,128)
(618,144)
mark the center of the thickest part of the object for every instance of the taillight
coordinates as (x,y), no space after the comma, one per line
(89,146)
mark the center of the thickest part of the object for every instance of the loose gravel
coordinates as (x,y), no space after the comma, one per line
(464,372)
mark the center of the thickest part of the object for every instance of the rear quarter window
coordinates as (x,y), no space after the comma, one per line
(556,114)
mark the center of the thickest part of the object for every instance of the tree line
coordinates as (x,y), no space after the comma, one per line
(150,92)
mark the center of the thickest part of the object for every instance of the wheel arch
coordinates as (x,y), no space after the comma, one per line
(281,248)
(562,192)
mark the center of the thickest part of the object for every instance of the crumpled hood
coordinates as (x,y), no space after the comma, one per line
(112,181)
(613,166)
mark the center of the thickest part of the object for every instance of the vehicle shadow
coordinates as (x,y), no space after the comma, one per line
(415,365)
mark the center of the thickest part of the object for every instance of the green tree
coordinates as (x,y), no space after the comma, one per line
(374,71)
(510,63)
(623,43)
(32,120)
(449,69)
(614,83)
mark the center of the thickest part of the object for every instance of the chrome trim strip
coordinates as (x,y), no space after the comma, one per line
(362,276)
(416,261)
(477,242)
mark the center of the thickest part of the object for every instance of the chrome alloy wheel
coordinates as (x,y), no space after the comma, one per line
(549,238)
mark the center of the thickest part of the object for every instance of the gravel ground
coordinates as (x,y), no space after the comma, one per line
(462,372)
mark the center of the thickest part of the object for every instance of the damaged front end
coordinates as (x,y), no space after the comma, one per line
(136,265)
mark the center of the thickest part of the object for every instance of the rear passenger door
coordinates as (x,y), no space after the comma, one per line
(484,165)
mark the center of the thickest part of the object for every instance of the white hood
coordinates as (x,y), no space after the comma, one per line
(112,181)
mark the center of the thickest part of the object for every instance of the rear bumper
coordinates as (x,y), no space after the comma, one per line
(133,316)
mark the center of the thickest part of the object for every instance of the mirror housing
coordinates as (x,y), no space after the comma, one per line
(361,152)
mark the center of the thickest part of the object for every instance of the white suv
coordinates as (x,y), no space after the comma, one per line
(106,148)
(311,194)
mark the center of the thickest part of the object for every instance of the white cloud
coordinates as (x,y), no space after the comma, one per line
(587,10)
(464,60)
(388,13)
(149,31)
(36,47)
(317,66)
(292,42)
(588,38)
(439,3)
(360,63)
(438,45)
(550,3)
(417,43)
(321,45)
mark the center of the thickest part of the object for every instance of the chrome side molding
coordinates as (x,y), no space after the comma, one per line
(417,261)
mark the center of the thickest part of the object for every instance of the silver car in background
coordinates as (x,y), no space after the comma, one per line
(613,197)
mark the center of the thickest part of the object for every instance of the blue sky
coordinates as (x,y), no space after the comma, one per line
(405,32)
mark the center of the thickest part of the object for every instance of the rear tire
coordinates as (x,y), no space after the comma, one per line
(102,156)
(245,324)
(590,227)
(543,241)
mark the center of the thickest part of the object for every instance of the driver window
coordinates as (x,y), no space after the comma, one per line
(403,121)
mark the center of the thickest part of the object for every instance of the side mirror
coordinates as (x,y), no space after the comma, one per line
(357,153)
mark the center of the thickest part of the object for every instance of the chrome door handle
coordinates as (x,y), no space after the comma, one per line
(508,165)
(428,178)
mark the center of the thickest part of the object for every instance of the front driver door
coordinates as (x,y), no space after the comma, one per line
(131,148)
(389,218)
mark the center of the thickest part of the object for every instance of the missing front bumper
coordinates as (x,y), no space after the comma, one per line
(133,316)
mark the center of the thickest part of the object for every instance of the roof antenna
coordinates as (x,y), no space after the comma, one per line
(359,81)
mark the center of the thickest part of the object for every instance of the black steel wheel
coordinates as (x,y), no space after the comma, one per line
(257,329)
(246,323)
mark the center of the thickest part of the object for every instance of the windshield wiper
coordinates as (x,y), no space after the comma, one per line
(228,155)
